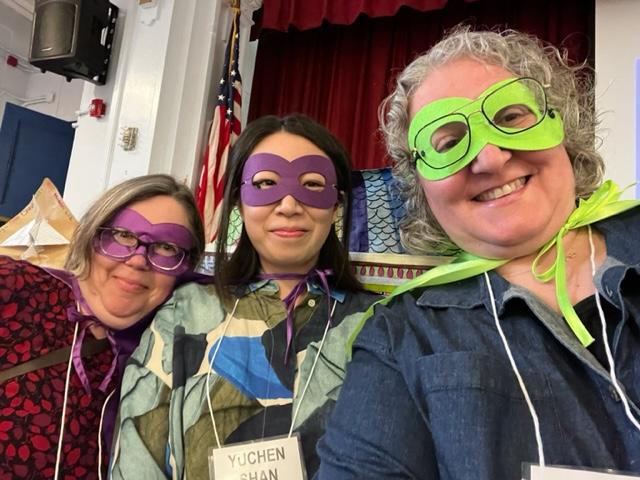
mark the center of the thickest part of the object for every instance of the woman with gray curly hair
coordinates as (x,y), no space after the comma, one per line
(518,356)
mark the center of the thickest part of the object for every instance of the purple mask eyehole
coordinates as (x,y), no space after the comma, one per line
(289,174)
(164,245)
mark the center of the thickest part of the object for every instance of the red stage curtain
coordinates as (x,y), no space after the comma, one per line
(339,74)
(306,14)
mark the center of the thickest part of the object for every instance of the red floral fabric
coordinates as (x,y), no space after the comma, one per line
(33,322)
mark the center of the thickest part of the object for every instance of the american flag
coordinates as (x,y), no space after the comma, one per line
(224,131)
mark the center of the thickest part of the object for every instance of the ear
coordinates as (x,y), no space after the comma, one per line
(337,207)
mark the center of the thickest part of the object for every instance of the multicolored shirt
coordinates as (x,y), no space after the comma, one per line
(165,423)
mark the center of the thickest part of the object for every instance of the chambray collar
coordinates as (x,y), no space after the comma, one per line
(271,286)
(619,232)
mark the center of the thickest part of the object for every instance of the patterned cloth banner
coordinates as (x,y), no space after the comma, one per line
(224,131)
(375,212)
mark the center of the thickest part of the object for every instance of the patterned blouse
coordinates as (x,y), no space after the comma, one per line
(166,428)
(34,322)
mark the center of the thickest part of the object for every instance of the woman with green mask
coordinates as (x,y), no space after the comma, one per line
(519,358)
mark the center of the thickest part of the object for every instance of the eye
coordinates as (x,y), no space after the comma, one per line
(515,116)
(124,237)
(265,179)
(313,181)
(166,249)
(263,184)
(448,136)
(446,143)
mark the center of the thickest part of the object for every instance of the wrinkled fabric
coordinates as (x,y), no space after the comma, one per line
(430,393)
(34,321)
(165,428)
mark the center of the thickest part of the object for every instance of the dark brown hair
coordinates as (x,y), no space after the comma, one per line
(242,266)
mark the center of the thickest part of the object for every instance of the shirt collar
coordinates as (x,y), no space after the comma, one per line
(271,286)
(620,232)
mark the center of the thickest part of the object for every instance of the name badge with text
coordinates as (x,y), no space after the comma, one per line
(277,458)
(536,472)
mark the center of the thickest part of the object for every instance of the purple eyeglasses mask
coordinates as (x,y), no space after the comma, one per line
(289,173)
(148,232)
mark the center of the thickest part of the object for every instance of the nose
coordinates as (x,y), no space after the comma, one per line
(490,159)
(139,258)
(288,206)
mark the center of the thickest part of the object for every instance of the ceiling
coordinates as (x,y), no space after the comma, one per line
(23,7)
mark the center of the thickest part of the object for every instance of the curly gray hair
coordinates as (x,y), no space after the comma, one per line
(569,91)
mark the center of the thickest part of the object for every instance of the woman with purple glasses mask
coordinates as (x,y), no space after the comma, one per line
(233,363)
(66,335)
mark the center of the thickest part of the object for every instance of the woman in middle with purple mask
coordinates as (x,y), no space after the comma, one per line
(287,283)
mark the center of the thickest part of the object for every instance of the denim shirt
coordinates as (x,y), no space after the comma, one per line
(430,393)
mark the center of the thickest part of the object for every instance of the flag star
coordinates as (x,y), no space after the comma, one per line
(233,73)
(229,111)
(220,97)
(222,81)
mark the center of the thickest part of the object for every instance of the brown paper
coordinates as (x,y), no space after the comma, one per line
(46,209)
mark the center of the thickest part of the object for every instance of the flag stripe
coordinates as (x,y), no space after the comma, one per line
(225,128)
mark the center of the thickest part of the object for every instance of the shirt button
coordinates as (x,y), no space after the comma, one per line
(614,393)
(311,302)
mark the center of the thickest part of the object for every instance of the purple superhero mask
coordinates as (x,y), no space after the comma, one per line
(164,245)
(288,183)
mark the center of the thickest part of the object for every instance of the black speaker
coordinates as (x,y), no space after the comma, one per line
(73,38)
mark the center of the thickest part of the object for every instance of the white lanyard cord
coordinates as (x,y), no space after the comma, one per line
(304,390)
(104,407)
(313,368)
(64,403)
(605,339)
(514,367)
(116,452)
(213,357)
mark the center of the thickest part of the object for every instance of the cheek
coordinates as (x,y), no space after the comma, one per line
(101,265)
(439,194)
(253,219)
(324,220)
(163,286)
(254,216)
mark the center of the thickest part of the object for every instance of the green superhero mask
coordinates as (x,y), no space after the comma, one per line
(447,134)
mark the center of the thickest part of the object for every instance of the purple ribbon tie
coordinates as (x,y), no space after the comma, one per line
(85,321)
(290,299)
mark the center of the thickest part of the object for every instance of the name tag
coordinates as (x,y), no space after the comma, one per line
(278,458)
(536,472)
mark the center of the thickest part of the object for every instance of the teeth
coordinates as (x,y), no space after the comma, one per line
(502,191)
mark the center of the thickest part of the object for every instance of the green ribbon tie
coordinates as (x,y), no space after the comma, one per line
(603,203)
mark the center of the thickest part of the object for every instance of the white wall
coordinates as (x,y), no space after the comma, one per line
(163,81)
(617,50)
(15,35)
(66,95)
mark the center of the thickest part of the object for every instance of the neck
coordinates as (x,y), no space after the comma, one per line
(285,287)
(578,267)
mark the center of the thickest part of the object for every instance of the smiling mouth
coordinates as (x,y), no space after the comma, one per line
(130,286)
(502,191)
(289,233)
